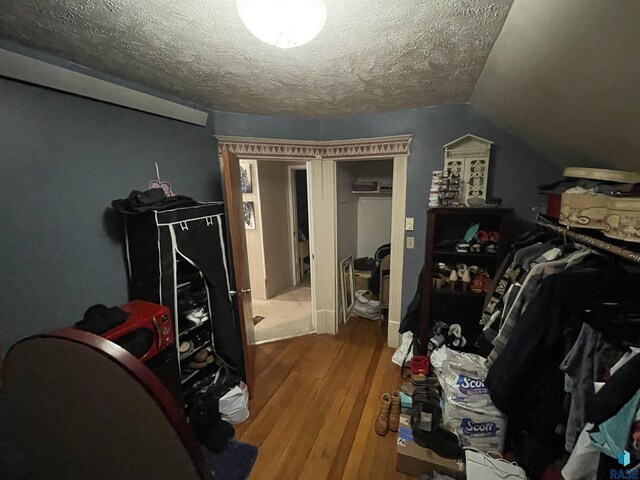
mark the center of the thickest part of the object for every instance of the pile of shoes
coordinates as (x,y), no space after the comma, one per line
(193,303)
(426,424)
(478,241)
(469,277)
(482,242)
(444,334)
(426,417)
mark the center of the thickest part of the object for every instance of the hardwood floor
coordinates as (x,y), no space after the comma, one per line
(315,402)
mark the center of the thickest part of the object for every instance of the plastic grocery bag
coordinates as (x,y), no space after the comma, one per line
(366,307)
(402,351)
(234,405)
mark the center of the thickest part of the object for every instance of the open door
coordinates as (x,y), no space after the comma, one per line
(235,219)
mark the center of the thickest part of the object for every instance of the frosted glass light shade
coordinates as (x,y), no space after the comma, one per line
(283,23)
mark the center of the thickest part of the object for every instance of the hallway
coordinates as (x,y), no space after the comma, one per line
(315,401)
(286,315)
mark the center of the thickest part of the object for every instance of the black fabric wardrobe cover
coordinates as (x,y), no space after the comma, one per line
(156,239)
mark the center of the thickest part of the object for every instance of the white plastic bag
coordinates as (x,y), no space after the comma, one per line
(402,351)
(233,405)
(363,307)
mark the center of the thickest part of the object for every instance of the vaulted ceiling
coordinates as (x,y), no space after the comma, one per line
(563,75)
(372,55)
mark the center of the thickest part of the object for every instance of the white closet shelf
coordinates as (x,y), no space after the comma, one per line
(373,192)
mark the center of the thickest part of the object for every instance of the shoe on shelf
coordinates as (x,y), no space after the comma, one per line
(479,281)
(198,316)
(192,296)
(382,422)
(394,412)
(482,237)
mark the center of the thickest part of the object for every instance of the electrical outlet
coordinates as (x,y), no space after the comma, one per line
(408,223)
(410,241)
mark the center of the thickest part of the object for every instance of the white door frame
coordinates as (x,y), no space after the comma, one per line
(321,157)
(292,196)
(398,209)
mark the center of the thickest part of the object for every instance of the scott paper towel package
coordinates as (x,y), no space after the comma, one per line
(484,429)
(468,410)
(465,388)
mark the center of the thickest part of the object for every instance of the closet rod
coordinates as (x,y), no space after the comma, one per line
(587,240)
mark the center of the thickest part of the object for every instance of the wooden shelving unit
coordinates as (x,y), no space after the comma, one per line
(458,306)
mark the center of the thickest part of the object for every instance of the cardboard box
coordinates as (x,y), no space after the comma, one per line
(415,460)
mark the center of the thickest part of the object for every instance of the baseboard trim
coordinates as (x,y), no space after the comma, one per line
(393,337)
(271,340)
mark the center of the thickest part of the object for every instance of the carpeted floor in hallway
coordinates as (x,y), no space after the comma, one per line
(285,316)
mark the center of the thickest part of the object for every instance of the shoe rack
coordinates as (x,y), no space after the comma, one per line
(194,336)
(179,258)
(452,301)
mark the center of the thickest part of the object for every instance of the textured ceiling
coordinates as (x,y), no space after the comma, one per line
(565,75)
(372,56)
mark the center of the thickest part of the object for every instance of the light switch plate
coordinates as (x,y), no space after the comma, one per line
(408,223)
(410,241)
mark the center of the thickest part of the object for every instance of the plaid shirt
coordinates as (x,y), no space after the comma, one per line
(527,291)
(510,276)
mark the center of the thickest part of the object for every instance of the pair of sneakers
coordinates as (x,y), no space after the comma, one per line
(449,335)
(389,413)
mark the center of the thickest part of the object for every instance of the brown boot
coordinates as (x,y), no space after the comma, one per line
(382,422)
(394,415)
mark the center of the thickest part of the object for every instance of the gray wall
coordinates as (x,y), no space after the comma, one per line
(515,169)
(62,160)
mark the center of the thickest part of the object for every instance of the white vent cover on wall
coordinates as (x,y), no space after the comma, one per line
(468,158)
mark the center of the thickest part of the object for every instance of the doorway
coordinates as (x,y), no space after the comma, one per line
(364,191)
(321,158)
(299,223)
(276,209)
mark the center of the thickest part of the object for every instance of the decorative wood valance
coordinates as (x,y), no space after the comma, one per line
(378,147)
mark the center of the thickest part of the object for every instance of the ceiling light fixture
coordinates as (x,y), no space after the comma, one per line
(283,23)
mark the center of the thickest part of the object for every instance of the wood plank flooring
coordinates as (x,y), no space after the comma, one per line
(315,402)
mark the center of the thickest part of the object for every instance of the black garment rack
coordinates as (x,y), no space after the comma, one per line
(588,240)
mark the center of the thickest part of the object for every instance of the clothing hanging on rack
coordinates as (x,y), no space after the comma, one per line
(526,381)
(522,294)
(561,330)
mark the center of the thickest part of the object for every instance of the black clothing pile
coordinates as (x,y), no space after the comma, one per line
(99,319)
(152,199)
